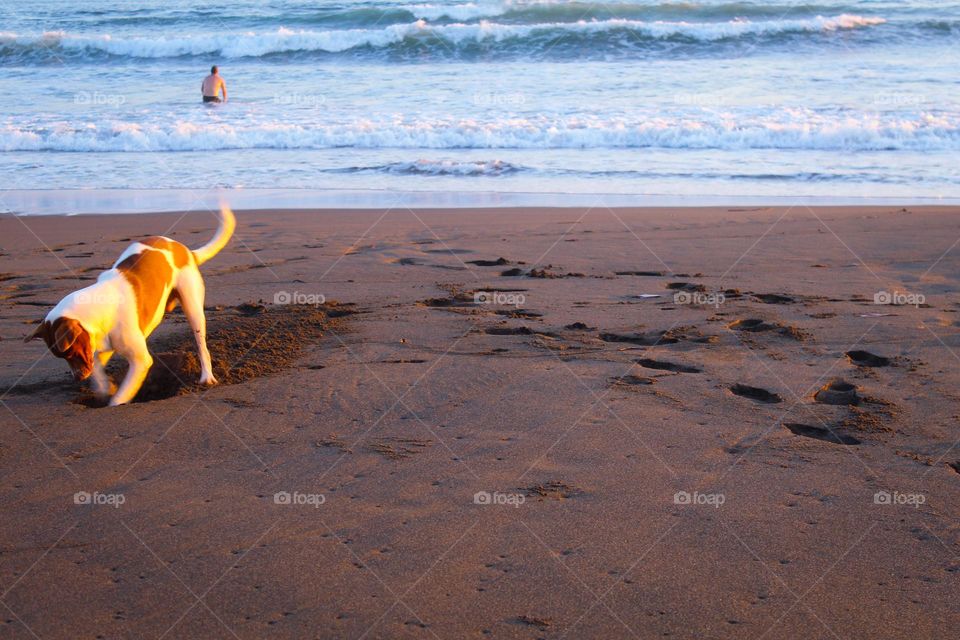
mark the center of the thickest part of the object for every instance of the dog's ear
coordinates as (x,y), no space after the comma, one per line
(39,332)
(66,331)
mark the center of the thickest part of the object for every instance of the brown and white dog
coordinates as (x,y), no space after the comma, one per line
(119,312)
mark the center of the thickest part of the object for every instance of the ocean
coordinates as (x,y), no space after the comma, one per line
(853,99)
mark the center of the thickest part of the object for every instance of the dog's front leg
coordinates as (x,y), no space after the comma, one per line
(101,382)
(140,363)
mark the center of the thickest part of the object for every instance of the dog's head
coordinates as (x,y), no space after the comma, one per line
(68,340)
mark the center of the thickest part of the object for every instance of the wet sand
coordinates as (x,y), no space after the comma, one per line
(507,423)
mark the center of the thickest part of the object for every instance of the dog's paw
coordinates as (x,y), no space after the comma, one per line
(105,392)
(208,381)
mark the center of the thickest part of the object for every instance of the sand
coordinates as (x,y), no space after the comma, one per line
(653,428)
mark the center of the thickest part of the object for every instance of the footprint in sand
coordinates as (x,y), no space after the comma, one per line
(406,262)
(552,490)
(499,262)
(752,325)
(867,359)
(643,339)
(398,448)
(837,392)
(509,331)
(773,298)
(516,313)
(819,433)
(533,621)
(631,381)
(516,331)
(439,303)
(661,365)
(686,286)
(544,273)
(756,325)
(755,393)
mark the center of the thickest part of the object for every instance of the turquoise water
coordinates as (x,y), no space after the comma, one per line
(841,99)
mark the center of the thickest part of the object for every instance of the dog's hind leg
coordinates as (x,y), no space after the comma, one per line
(191,291)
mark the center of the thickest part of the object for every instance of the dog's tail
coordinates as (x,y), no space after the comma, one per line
(220,239)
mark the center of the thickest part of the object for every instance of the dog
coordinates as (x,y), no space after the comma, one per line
(119,312)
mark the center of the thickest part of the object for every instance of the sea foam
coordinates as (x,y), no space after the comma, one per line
(774,128)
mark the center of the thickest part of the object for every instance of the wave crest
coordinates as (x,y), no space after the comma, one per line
(441,39)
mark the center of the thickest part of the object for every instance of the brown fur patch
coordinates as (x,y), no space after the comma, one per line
(181,255)
(149,273)
(173,300)
(67,339)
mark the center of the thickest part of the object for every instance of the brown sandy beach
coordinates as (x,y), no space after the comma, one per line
(654,467)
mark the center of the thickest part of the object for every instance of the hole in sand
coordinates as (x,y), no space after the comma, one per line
(837,392)
(245,342)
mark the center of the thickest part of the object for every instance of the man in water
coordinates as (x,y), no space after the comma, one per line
(213,85)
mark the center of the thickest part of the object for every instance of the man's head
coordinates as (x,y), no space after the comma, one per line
(68,340)
(214,70)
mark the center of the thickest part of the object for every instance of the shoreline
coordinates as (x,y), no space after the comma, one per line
(71,202)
